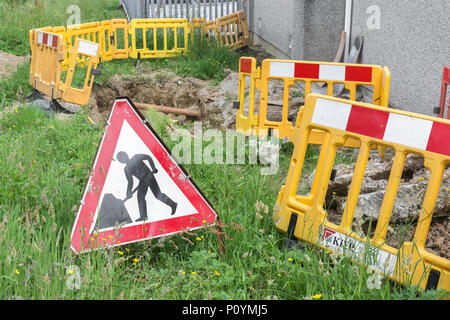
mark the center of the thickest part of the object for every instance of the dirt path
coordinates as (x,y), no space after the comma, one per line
(9,63)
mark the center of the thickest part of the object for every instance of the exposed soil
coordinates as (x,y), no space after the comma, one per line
(9,63)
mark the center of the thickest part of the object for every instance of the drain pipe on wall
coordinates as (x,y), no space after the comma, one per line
(348,27)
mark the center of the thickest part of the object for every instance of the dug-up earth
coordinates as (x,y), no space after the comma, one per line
(9,63)
(165,88)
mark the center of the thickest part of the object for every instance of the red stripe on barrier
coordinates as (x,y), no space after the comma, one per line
(307,70)
(446,77)
(55,41)
(368,122)
(45,38)
(360,74)
(246,66)
(439,140)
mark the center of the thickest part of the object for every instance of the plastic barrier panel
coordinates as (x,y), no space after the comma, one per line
(90,52)
(107,41)
(48,51)
(120,45)
(232,30)
(302,214)
(158,38)
(197,26)
(246,120)
(351,75)
(445,83)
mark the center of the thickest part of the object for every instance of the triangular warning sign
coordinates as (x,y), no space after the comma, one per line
(136,190)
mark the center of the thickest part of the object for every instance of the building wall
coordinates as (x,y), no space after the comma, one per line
(324,23)
(413,41)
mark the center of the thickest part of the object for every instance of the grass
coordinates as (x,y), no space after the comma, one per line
(45,164)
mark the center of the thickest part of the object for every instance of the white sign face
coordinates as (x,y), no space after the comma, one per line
(116,184)
(136,190)
(88,48)
(381,260)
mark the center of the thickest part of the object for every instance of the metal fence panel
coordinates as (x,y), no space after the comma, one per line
(152,9)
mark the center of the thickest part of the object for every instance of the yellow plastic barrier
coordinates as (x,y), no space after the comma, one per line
(304,216)
(90,53)
(112,39)
(120,45)
(351,75)
(232,30)
(247,70)
(150,31)
(197,26)
(48,50)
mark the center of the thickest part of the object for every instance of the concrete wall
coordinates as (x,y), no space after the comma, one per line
(413,41)
(324,23)
(297,29)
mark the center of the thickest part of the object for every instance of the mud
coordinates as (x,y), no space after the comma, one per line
(9,63)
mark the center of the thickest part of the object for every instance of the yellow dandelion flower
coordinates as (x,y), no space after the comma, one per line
(96,234)
(16,271)
(104,239)
(290,259)
(15,109)
(128,250)
(183,273)
(216,273)
(204,221)
(198,238)
(193,273)
(120,252)
(135,260)
(71,271)
(110,237)
(317,296)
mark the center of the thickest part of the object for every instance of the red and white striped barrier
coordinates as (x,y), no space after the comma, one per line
(409,131)
(48,39)
(325,72)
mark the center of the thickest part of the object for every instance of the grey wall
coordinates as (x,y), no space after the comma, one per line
(297,29)
(279,23)
(414,42)
(324,23)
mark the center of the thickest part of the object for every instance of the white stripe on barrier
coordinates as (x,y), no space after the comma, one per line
(408,131)
(331,113)
(40,37)
(282,69)
(331,72)
(49,39)
(88,48)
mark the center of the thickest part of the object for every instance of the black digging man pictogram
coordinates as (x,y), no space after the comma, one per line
(136,167)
